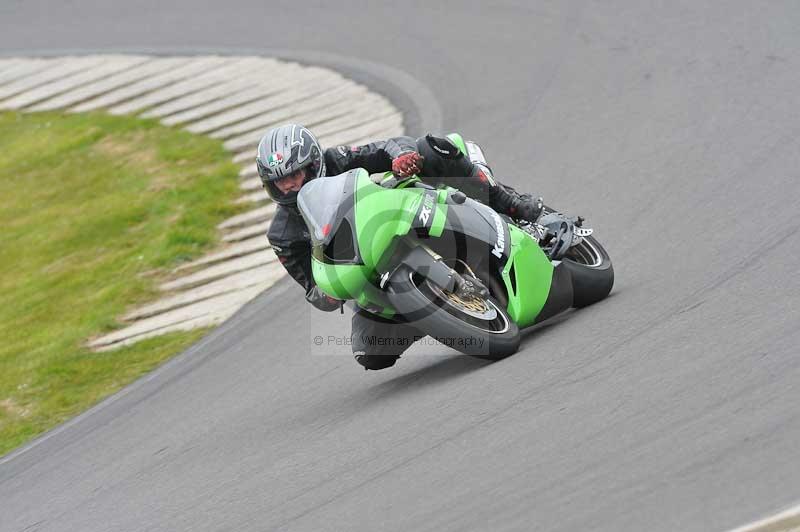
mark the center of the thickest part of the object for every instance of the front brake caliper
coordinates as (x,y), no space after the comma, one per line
(468,286)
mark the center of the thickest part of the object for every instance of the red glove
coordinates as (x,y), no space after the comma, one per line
(407,164)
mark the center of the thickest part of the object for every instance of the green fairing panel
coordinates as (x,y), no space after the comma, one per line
(341,281)
(439,218)
(533,276)
(374,303)
(381,216)
(348,281)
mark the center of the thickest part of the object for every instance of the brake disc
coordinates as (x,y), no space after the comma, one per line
(474,306)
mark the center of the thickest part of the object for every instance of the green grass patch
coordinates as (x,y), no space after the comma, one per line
(95,210)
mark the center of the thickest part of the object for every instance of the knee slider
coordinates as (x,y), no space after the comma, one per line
(375,362)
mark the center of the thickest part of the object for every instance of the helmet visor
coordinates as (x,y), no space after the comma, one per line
(284,189)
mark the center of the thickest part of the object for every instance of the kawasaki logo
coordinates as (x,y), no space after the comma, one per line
(500,245)
(427,207)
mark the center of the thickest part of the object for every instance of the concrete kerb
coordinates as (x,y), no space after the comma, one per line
(87,92)
(414,99)
(55,88)
(139,84)
(249,231)
(245,279)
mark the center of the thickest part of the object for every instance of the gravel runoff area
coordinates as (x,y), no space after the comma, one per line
(232,98)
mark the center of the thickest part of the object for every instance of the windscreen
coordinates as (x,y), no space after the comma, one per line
(319,202)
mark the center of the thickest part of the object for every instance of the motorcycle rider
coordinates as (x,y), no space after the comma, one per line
(290,155)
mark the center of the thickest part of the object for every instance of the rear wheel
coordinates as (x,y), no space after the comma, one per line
(591,270)
(475,326)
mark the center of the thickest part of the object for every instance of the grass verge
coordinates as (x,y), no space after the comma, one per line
(95,210)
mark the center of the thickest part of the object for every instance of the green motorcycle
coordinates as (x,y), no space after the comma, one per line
(400,253)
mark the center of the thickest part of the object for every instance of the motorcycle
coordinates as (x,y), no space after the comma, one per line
(405,253)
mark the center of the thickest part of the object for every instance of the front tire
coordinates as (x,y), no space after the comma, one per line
(480,327)
(591,270)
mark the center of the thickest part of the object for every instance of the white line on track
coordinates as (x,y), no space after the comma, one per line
(785,521)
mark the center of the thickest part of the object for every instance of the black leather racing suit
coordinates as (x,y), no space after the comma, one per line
(289,236)
(288,233)
(443,164)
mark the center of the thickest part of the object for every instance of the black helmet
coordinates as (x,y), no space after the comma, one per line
(283,151)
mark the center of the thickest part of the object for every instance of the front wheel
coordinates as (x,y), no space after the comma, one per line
(591,270)
(478,326)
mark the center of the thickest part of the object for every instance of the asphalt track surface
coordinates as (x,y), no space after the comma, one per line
(673,405)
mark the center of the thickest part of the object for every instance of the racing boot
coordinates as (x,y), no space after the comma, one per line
(506,200)
(561,233)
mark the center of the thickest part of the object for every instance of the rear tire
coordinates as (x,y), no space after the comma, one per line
(416,299)
(591,270)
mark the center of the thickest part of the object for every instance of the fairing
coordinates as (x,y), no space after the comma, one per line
(387,224)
